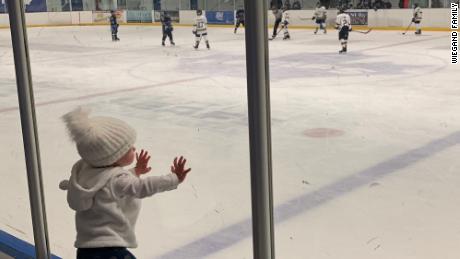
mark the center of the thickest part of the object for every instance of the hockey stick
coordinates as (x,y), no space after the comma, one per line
(278,32)
(404,33)
(364,32)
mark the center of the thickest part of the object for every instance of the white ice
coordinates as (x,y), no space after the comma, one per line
(385,188)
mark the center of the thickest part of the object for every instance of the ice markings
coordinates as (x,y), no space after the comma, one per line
(198,115)
(304,65)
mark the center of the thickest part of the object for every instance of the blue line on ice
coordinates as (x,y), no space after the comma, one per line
(236,232)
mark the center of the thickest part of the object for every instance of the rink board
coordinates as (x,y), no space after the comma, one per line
(13,247)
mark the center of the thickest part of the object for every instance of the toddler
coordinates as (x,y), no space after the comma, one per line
(105,196)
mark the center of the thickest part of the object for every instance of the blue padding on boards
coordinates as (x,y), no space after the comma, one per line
(220,17)
(17,248)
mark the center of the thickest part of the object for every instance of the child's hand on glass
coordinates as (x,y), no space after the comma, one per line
(178,168)
(142,162)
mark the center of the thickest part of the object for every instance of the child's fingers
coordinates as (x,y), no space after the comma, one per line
(175,162)
(183,161)
(187,171)
(172,169)
(143,153)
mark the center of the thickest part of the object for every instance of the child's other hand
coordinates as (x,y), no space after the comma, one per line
(142,162)
(178,168)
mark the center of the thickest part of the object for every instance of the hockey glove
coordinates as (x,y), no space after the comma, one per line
(313,17)
(413,19)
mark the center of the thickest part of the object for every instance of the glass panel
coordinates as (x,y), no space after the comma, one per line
(121,4)
(202,4)
(365,144)
(212,5)
(89,5)
(239,4)
(54,5)
(15,215)
(184,5)
(226,5)
(170,5)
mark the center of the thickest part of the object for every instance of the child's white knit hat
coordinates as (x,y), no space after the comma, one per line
(101,141)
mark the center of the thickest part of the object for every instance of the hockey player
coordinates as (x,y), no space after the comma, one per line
(239,17)
(200,29)
(343,24)
(417,18)
(278,16)
(284,24)
(167,28)
(114,25)
(320,18)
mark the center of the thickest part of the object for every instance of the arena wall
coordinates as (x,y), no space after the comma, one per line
(187,17)
(436,19)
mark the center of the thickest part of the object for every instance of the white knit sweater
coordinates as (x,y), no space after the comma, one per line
(107,203)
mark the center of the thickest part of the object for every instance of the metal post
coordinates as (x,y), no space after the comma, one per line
(29,126)
(258,80)
(70,5)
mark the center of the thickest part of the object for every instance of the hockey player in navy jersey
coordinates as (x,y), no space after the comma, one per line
(239,17)
(114,26)
(278,17)
(167,28)
(200,29)
(343,24)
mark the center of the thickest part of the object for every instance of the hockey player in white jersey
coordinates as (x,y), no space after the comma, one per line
(320,18)
(417,19)
(200,29)
(285,23)
(343,24)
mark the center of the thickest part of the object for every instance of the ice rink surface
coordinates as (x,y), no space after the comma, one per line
(365,145)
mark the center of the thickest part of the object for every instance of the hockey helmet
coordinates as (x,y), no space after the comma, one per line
(199,12)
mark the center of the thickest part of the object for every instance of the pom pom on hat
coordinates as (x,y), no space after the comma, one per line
(101,141)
